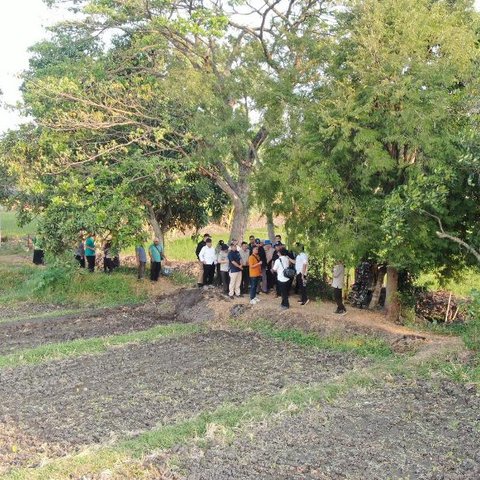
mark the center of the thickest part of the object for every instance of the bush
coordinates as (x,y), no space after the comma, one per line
(55,276)
(471,336)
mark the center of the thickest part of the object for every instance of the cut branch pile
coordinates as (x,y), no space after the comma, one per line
(441,307)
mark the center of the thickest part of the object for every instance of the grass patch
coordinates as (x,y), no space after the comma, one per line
(460,286)
(56,351)
(359,344)
(182,279)
(10,227)
(69,286)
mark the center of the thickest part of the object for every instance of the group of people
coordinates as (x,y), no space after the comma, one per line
(255,266)
(86,254)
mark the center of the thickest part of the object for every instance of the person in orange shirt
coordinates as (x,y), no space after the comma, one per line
(255,272)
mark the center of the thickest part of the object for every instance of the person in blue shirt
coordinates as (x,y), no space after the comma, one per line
(235,269)
(90,251)
(155,251)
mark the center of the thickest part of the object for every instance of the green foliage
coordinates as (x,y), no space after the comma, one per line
(471,336)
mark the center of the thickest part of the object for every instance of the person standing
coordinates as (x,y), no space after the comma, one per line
(269,254)
(38,252)
(155,251)
(275,257)
(223,263)
(301,267)
(218,276)
(255,272)
(251,243)
(90,251)
(337,284)
(235,268)
(282,262)
(80,253)
(244,255)
(208,258)
(200,245)
(141,255)
(107,257)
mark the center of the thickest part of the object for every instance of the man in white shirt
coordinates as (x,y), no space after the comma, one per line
(337,284)
(301,267)
(208,257)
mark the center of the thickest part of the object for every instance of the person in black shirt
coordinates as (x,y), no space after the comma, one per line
(200,245)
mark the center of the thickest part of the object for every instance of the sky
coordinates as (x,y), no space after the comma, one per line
(23,23)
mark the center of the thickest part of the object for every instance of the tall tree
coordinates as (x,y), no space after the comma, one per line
(379,135)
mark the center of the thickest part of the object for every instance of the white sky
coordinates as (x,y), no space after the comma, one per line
(22,23)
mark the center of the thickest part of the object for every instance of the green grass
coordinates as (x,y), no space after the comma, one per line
(359,344)
(182,248)
(461,286)
(10,227)
(75,348)
(73,287)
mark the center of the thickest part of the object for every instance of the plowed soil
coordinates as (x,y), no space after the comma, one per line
(422,430)
(89,399)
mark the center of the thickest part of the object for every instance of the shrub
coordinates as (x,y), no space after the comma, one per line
(471,336)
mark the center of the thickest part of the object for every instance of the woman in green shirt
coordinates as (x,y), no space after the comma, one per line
(90,251)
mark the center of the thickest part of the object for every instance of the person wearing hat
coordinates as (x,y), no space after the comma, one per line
(200,245)
(235,269)
(208,258)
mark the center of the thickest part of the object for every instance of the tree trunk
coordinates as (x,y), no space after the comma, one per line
(392,302)
(270,227)
(378,287)
(156,227)
(239,219)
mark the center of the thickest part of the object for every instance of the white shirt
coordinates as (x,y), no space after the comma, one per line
(279,266)
(338,276)
(244,256)
(207,255)
(300,261)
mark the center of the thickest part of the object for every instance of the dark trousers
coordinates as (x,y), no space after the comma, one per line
(253,286)
(284,288)
(141,269)
(38,257)
(302,287)
(270,279)
(108,265)
(225,281)
(208,274)
(219,277)
(155,270)
(91,262)
(337,295)
(80,260)
(245,286)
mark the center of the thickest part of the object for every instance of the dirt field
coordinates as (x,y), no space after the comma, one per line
(420,430)
(396,428)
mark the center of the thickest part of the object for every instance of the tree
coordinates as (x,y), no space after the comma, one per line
(227,79)
(378,137)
